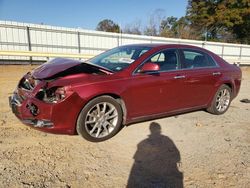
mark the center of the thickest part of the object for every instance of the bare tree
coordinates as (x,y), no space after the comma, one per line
(153,27)
(133,28)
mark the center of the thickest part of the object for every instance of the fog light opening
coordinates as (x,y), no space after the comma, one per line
(43,123)
(39,123)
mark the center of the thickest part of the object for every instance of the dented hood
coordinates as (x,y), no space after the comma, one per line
(60,67)
(53,67)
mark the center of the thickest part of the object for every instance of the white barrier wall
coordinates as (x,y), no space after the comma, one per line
(15,36)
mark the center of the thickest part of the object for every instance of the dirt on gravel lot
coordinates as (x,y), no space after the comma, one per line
(195,149)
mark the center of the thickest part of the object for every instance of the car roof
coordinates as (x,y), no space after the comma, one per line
(164,45)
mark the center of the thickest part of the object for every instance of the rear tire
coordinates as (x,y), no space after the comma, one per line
(100,119)
(221,100)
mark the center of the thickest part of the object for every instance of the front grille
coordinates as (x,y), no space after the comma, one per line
(33,109)
(17,99)
(13,103)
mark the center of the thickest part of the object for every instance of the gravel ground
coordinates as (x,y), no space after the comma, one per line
(192,150)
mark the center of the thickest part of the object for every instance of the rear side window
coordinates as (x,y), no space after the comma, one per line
(196,59)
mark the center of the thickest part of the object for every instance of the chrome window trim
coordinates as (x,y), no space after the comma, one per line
(195,68)
(179,61)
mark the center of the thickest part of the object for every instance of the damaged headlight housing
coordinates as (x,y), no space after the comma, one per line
(28,82)
(52,95)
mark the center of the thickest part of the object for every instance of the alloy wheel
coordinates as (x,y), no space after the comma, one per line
(223,100)
(101,119)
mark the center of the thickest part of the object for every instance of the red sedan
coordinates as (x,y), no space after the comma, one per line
(124,85)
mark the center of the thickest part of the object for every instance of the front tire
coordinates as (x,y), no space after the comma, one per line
(100,119)
(221,101)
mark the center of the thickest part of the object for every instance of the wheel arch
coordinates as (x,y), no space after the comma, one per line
(117,97)
(212,108)
(229,83)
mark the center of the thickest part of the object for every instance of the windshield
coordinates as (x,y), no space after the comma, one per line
(119,58)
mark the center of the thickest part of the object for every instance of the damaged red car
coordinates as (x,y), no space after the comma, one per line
(121,86)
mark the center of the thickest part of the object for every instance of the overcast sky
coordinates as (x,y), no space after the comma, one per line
(87,13)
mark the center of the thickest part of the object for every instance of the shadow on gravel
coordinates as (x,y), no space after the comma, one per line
(156,161)
(245,100)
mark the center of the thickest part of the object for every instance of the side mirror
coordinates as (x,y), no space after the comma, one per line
(150,68)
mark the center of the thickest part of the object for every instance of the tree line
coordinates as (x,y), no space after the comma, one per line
(211,20)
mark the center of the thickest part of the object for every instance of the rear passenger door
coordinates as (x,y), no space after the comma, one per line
(201,74)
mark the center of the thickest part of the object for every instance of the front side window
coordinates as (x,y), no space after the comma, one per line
(196,59)
(166,59)
(119,58)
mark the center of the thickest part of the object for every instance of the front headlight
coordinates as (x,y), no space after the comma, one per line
(52,95)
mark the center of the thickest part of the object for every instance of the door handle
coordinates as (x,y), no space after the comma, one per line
(216,73)
(179,77)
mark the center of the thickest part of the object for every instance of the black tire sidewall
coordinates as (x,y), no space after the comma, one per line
(80,127)
(213,108)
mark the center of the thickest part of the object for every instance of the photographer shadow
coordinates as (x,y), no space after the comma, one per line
(156,161)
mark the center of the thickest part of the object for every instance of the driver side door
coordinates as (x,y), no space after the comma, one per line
(158,92)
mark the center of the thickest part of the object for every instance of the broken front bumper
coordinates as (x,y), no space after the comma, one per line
(49,117)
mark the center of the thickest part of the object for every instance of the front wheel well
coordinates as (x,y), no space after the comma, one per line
(100,119)
(118,99)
